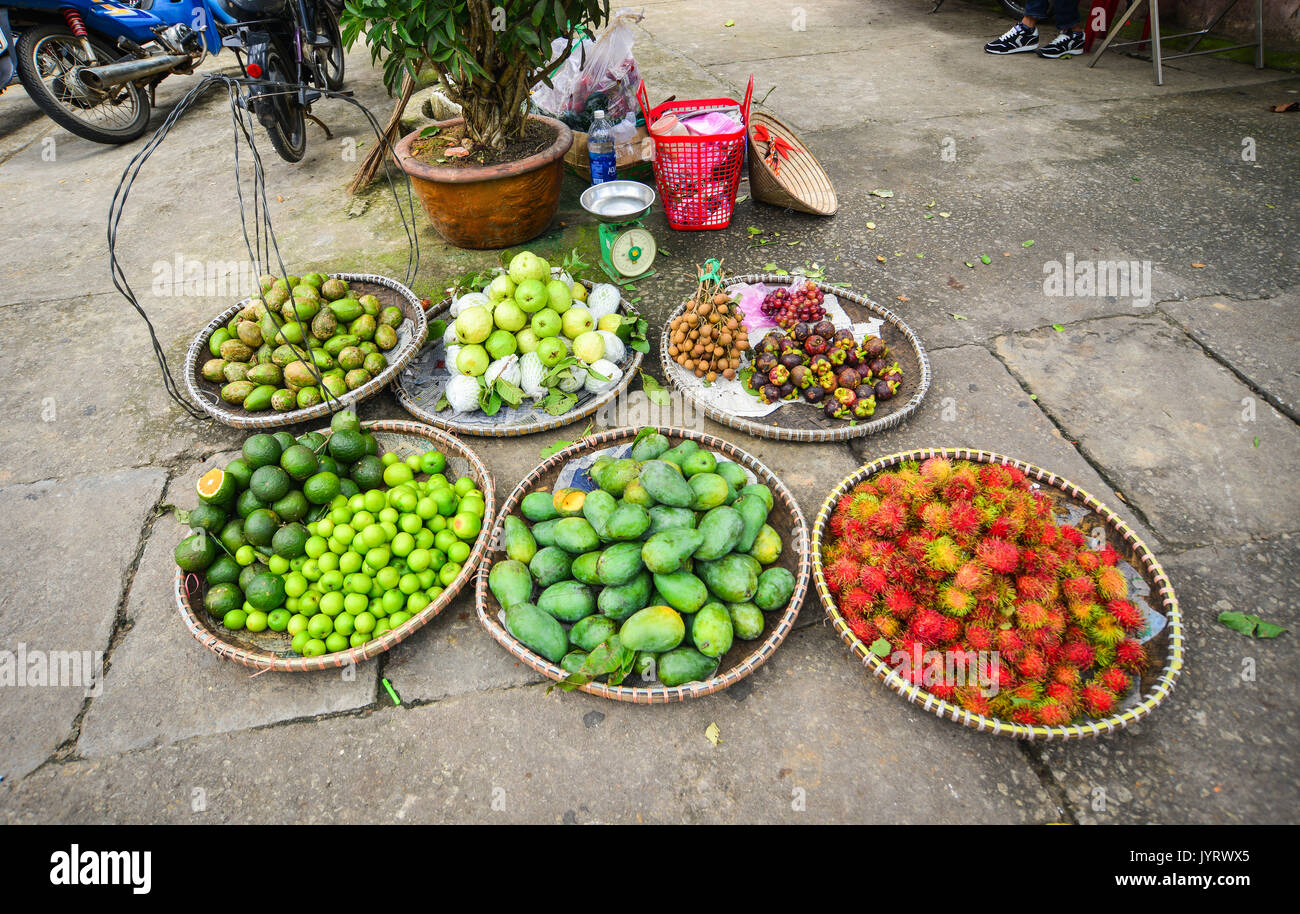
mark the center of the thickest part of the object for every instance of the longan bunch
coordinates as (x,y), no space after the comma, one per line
(708,337)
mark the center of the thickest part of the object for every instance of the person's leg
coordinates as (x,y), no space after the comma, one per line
(1069,43)
(1023,36)
(1067,15)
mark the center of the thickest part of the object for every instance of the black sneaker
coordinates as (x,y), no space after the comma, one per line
(1066,44)
(1017,40)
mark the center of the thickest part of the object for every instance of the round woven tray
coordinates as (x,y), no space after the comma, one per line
(270,650)
(802,185)
(1167,646)
(803,421)
(418,397)
(410,335)
(745,656)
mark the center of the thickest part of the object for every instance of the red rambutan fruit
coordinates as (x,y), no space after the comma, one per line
(1116,680)
(1083,613)
(1111,583)
(1098,700)
(1046,639)
(887,625)
(938,469)
(1107,630)
(1032,665)
(993,475)
(843,572)
(1052,713)
(1063,693)
(962,519)
(998,555)
(943,690)
(1079,589)
(1071,535)
(873,581)
(899,602)
(889,519)
(927,626)
(1024,716)
(1031,615)
(979,637)
(955,601)
(1067,674)
(934,516)
(1015,476)
(1033,587)
(1078,654)
(864,630)
(856,602)
(970,576)
(1131,655)
(1127,614)
(1009,641)
(1088,561)
(951,630)
(973,701)
(1108,555)
(837,524)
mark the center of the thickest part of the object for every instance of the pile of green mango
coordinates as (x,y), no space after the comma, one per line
(656,572)
(303,334)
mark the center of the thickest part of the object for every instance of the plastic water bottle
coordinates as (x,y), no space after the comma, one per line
(600,150)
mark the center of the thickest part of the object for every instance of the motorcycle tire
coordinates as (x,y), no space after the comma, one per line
(288,127)
(327,21)
(30,76)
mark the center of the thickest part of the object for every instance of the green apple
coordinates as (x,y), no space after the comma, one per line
(589,346)
(558,296)
(547,323)
(473,325)
(527,339)
(531,295)
(472,360)
(551,350)
(501,288)
(610,322)
(501,344)
(577,321)
(529,266)
(509,316)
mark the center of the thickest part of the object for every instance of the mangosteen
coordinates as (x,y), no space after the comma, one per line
(826,380)
(844,396)
(878,367)
(824,329)
(800,331)
(779,375)
(815,345)
(830,408)
(787,391)
(853,358)
(814,394)
(791,358)
(884,391)
(849,377)
(837,357)
(873,347)
(771,343)
(843,339)
(819,364)
(801,377)
(764,362)
(864,391)
(770,393)
(865,408)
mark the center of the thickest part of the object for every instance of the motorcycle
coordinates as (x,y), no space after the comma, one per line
(94,66)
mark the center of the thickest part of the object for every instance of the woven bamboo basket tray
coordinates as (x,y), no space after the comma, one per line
(744,656)
(802,185)
(1165,649)
(410,335)
(270,650)
(418,393)
(805,422)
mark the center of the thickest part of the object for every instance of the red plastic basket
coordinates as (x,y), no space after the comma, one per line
(697,176)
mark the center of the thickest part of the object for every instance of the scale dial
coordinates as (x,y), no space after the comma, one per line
(632,252)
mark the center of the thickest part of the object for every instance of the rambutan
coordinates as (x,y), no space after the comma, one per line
(1062,692)
(993,475)
(979,637)
(970,576)
(873,581)
(1131,655)
(837,523)
(1052,713)
(1002,528)
(938,469)
(1031,615)
(889,484)
(899,602)
(856,602)
(1079,589)
(1111,583)
(864,630)
(1098,700)
(1026,691)
(1034,587)
(1078,654)
(934,516)
(1083,613)
(942,554)
(1046,639)
(998,555)
(1071,535)
(1067,674)
(942,690)
(973,701)
(887,625)
(1127,614)
(1024,716)
(951,630)
(1107,630)
(955,600)
(1009,641)
(927,626)
(888,520)
(962,519)
(1108,555)
(843,572)
(1032,665)
(1115,679)
(1015,476)
(1088,561)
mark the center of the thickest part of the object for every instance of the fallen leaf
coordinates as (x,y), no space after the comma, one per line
(713,734)
(903,298)
(880,647)
(754,230)
(986,259)
(1257,441)
(944,215)
(958,317)
(1058,327)
(882,193)
(880,257)
(871,226)
(952,282)
(969,264)
(1199,266)
(1027,244)
(729,23)
(1250,625)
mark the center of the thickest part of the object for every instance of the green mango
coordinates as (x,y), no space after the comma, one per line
(753,514)
(538,506)
(584,568)
(655,628)
(266,374)
(572,661)
(663,517)
(286,354)
(619,563)
(575,535)
(259,398)
(665,485)
(550,565)
(620,602)
(733,473)
(598,507)
(628,522)
(650,447)
(519,541)
(363,327)
(234,371)
(668,550)
(711,630)
(731,578)
(762,491)
(683,665)
(635,494)
(644,666)
(236,392)
(537,631)
(587,633)
(767,546)
(567,601)
(682,591)
(677,455)
(700,461)
(544,532)
(708,491)
(510,582)
(721,529)
(346,310)
(775,587)
(336,344)
(746,620)
(615,477)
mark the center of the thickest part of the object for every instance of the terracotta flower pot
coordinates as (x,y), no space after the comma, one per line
(492,206)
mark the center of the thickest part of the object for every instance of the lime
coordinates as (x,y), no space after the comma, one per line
(350,562)
(345,420)
(262,450)
(315,546)
(278,564)
(256,621)
(247,503)
(348,488)
(319,626)
(424,539)
(466,525)
(389,516)
(208,517)
(234,620)
(260,527)
(270,484)
(432,462)
(278,620)
(330,582)
(458,552)
(408,584)
(428,577)
(299,462)
(222,598)
(473,503)
(368,473)
(312,440)
(465,485)
(347,445)
(403,544)
(404,500)
(417,601)
(381,627)
(447,500)
(388,458)
(293,507)
(395,619)
(265,591)
(224,570)
(196,552)
(410,523)
(313,648)
(246,555)
(299,641)
(240,470)
(336,642)
(447,573)
(290,541)
(321,488)
(328,464)
(397,474)
(372,446)
(215,487)
(328,562)
(284,439)
(330,606)
(378,557)
(296,623)
(412,461)
(357,639)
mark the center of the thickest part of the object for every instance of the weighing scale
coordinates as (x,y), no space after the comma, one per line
(626,245)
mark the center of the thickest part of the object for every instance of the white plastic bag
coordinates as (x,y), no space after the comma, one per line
(598,75)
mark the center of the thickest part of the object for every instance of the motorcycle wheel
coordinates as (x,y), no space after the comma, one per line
(47,56)
(289,130)
(331,61)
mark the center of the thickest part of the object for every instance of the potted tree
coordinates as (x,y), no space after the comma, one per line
(491,178)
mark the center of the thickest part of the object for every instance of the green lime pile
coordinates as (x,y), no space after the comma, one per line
(655,572)
(327,540)
(301,336)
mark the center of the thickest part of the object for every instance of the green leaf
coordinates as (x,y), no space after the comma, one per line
(431,130)
(754,230)
(654,390)
(1027,244)
(555,448)
(1059,328)
(986,259)
(1257,441)
(510,393)
(880,647)
(882,193)
(1253,626)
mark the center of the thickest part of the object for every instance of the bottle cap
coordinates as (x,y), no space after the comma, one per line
(600,114)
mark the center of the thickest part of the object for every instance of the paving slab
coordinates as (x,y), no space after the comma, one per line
(163,686)
(808,739)
(1258,339)
(975,402)
(71,548)
(1223,749)
(1166,422)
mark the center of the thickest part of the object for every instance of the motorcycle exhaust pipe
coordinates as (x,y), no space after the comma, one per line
(112,75)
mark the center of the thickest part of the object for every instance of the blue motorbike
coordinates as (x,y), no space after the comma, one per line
(94,66)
